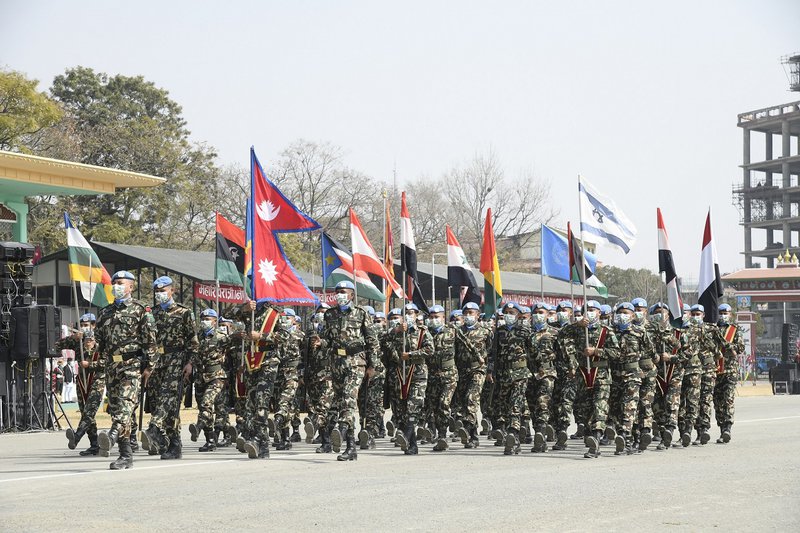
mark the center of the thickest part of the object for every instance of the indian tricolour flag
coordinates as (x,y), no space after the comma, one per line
(85,267)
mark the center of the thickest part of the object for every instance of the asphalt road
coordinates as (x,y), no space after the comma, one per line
(753,483)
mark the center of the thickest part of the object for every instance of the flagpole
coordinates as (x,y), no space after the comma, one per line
(383,281)
(78,312)
(541,262)
(583,266)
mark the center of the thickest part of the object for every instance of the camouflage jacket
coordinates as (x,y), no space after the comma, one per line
(543,356)
(663,339)
(472,349)
(271,343)
(349,333)
(563,361)
(380,364)
(176,332)
(290,355)
(512,350)
(209,359)
(634,345)
(126,330)
(574,342)
(92,355)
(316,361)
(444,348)
(699,346)
(731,350)
(418,344)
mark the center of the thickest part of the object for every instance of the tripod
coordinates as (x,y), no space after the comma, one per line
(49,398)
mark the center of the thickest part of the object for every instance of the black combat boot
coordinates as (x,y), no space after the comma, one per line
(411,437)
(175,449)
(593,441)
(550,433)
(579,433)
(423,434)
(540,440)
(196,429)
(125,459)
(134,442)
(666,438)
(463,434)
(620,441)
(350,453)
(511,444)
(211,441)
(499,435)
(390,428)
(284,443)
(336,439)
(474,440)
(257,448)
(295,434)
(686,436)
(231,433)
(93,448)
(401,439)
(725,435)
(486,426)
(645,438)
(381,429)
(528,432)
(107,440)
(325,442)
(220,432)
(153,440)
(310,431)
(705,437)
(75,436)
(561,440)
(441,442)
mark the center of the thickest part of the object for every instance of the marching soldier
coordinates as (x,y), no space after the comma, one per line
(318,379)
(509,366)
(411,347)
(564,388)
(210,385)
(288,377)
(177,343)
(125,336)
(728,372)
(543,376)
(370,394)
(696,340)
(353,346)
(442,373)
(472,350)
(668,341)
(589,347)
(710,354)
(91,383)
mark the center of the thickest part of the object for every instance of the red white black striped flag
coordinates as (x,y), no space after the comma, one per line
(709,289)
(667,266)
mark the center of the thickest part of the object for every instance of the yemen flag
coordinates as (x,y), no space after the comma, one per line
(667,265)
(709,289)
(388,255)
(490,268)
(85,267)
(364,257)
(229,264)
(582,266)
(459,273)
(337,265)
(408,256)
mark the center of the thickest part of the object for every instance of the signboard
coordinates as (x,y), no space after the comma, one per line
(530,299)
(744,302)
(229,294)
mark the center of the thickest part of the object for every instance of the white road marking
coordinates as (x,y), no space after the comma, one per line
(138,469)
(764,419)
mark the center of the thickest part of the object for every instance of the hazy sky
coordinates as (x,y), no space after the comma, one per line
(641,99)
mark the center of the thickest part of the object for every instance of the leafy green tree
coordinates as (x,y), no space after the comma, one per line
(24,111)
(628,283)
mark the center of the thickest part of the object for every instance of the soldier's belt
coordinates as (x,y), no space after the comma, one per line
(167,350)
(646,364)
(628,367)
(213,368)
(475,365)
(350,350)
(118,357)
(446,364)
(602,363)
(519,364)
(709,361)
(290,364)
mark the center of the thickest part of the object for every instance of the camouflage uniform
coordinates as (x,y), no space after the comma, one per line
(725,390)
(126,340)
(442,376)
(565,386)
(509,366)
(176,333)
(318,378)
(288,377)
(692,370)
(591,404)
(370,394)
(472,353)
(709,356)
(352,345)
(210,379)
(544,373)
(261,370)
(419,346)
(88,401)
(667,401)
(633,342)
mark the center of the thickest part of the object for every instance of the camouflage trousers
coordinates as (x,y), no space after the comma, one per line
(471,399)
(441,388)
(647,394)
(539,394)
(624,398)
(666,406)
(724,396)
(389,386)
(123,393)
(348,373)
(94,399)
(488,400)
(167,401)
(564,392)
(457,404)
(320,398)
(591,404)
(409,409)
(370,400)
(286,394)
(690,401)
(709,381)
(510,402)
(211,402)
(260,386)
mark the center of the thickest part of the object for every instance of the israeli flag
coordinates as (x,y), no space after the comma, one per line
(602,222)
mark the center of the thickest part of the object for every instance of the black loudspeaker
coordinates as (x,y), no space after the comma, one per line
(788,342)
(795,388)
(783,372)
(35,331)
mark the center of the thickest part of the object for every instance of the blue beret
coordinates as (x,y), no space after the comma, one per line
(455,312)
(725,307)
(289,312)
(686,307)
(698,307)
(323,306)
(656,306)
(395,312)
(411,307)
(163,281)
(605,309)
(625,305)
(541,305)
(208,312)
(88,317)
(524,309)
(470,305)
(380,314)
(511,305)
(122,274)
(566,304)
(639,302)
(224,320)
(345,285)
(592,303)
(369,309)
(436,309)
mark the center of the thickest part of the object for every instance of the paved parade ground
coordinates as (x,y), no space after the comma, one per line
(753,483)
